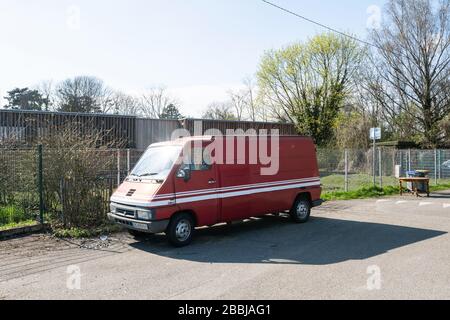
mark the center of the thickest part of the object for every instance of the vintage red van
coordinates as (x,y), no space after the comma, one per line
(167,192)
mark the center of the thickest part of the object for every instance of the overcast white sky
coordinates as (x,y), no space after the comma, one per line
(199,49)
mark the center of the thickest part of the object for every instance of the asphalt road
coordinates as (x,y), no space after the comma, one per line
(397,248)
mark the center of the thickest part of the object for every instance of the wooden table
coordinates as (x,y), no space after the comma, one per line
(415,180)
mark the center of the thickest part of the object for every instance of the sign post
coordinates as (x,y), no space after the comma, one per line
(375,134)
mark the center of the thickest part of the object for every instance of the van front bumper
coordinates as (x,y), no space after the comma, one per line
(139,225)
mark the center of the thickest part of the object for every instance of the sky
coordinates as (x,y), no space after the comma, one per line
(198,49)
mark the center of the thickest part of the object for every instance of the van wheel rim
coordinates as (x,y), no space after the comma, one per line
(302,210)
(183,230)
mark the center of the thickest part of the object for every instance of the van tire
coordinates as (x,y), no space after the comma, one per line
(301,210)
(181,230)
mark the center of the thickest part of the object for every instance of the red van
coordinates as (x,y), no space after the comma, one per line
(167,192)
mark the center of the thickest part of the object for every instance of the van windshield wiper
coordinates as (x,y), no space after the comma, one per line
(148,174)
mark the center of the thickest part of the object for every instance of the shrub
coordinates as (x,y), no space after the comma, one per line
(77,178)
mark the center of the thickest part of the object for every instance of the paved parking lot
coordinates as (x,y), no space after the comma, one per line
(341,253)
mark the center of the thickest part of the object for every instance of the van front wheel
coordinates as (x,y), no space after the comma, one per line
(180,230)
(301,210)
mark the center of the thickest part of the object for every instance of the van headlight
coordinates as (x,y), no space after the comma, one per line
(112,208)
(145,215)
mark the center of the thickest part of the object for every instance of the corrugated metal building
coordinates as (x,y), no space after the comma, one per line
(117,130)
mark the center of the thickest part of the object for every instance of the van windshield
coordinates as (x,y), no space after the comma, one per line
(156,162)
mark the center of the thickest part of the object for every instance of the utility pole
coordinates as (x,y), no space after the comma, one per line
(375,134)
(373,165)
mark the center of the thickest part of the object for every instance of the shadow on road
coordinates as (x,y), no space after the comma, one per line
(441,194)
(275,240)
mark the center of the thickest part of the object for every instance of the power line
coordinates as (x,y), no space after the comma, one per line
(319,24)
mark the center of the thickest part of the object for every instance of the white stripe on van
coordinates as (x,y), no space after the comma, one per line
(216,195)
(248,186)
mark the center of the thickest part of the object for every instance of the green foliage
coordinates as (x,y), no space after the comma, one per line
(362,193)
(13,214)
(373,192)
(18,178)
(12,225)
(351,131)
(25,99)
(307,83)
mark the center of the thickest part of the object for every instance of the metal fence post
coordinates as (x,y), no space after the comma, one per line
(435,167)
(439,164)
(40,185)
(346,169)
(128,161)
(374,164)
(63,202)
(380,167)
(118,168)
(409,159)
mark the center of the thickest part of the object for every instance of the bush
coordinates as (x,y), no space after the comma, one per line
(77,179)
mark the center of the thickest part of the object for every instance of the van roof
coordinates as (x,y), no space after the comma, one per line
(182,141)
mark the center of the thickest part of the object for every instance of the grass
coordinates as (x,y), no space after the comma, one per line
(373,192)
(13,225)
(336,182)
(362,193)
(12,214)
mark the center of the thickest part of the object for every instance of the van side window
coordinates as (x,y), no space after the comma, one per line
(204,166)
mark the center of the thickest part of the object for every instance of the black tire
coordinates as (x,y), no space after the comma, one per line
(181,230)
(137,234)
(301,210)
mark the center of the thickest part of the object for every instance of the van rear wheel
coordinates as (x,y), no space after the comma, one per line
(301,210)
(181,230)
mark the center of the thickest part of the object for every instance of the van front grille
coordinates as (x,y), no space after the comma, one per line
(124,212)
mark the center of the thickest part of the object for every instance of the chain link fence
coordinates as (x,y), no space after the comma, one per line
(352,169)
(19,198)
(77,185)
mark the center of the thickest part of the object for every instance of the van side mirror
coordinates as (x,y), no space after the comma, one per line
(184,173)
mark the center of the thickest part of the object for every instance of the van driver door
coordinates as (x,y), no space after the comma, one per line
(198,192)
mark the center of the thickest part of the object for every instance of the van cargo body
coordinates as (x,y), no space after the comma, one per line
(167,193)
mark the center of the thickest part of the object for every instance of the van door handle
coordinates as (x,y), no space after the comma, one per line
(212,181)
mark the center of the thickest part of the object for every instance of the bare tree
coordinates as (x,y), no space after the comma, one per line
(46,88)
(83,94)
(153,102)
(246,104)
(412,66)
(239,100)
(219,111)
(250,103)
(124,104)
